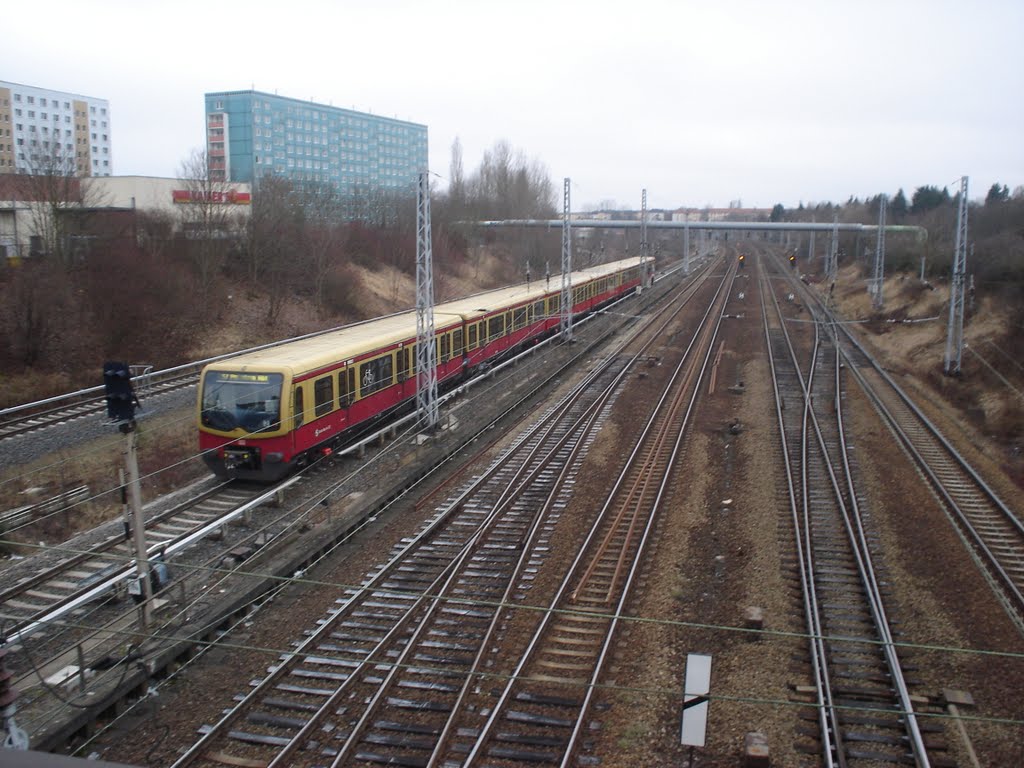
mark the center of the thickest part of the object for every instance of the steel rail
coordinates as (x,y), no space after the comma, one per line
(948,496)
(656,504)
(130,570)
(858,535)
(859,549)
(538,429)
(825,708)
(499,707)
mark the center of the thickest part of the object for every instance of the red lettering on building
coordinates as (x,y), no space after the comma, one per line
(230,197)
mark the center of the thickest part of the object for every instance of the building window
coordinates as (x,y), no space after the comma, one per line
(17,97)
(67,105)
(31,113)
(92,110)
(17,112)
(31,99)
(103,110)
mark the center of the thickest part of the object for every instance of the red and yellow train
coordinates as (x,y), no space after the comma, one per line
(265,413)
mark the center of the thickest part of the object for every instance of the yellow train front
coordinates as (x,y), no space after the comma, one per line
(264,414)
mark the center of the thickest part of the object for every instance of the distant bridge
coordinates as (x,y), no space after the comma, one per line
(750,226)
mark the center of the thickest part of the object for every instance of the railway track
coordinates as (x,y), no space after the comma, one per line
(74,578)
(384,676)
(48,592)
(992,532)
(865,714)
(31,417)
(539,715)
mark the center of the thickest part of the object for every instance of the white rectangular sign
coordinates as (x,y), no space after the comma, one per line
(695,700)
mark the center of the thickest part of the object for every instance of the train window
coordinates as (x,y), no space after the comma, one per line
(323,395)
(456,342)
(554,306)
(446,347)
(518,318)
(495,327)
(375,375)
(298,408)
(508,322)
(472,335)
(538,311)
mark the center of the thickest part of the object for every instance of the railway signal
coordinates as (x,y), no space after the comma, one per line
(121,399)
(742,261)
(792,261)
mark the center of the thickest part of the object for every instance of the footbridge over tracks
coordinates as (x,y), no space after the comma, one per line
(738,226)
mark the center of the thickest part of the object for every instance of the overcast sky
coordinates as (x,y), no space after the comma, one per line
(701,103)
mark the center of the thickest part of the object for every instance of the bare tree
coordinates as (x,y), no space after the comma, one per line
(56,195)
(274,237)
(456,181)
(323,236)
(206,220)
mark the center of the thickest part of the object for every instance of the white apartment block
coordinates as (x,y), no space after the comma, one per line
(43,130)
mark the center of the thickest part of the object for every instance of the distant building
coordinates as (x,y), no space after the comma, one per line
(103,205)
(250,135)
(159,195)
(43,130)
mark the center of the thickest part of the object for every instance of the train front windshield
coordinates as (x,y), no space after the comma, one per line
(249,401)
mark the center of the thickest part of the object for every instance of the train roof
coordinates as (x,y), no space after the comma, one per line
(352,341)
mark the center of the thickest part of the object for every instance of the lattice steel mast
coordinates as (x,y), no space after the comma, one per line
(426,357)
(643,235)
(832,266)
(879,272)
(955,331)
(686,246)
(565,304)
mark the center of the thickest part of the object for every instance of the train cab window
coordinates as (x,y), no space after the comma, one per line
(472,335)
(323,395)
(375,375)
(518,318)
(457,342)
(298,408)
(446,347)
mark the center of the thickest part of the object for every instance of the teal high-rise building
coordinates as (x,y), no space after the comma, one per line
(250,135)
